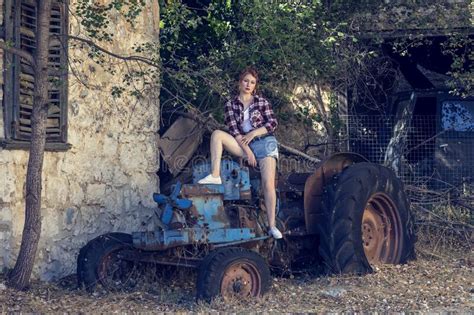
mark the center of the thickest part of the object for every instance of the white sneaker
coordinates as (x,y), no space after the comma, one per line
(273,231)
(209,179)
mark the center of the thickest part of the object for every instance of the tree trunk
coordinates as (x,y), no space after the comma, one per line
(326,119)
(397,144)
(20,276)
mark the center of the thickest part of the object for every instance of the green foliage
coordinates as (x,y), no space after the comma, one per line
(335,120)
(95,17)
(204,49)
(459,48)
(206,43)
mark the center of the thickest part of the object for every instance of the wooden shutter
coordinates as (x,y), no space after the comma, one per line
(24,16)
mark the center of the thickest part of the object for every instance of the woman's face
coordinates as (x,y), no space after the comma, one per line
(247,84)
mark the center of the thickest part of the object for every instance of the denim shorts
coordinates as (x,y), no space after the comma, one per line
(264,146)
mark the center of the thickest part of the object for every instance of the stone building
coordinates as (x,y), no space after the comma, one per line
(102,156)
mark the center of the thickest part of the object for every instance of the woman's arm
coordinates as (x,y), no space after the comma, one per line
(269,116)
(269,122)
(252,134)
(234,130)
(230,121)
(248,152)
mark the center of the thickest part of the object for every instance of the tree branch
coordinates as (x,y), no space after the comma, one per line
(19,52)
(211,124)
(90,43)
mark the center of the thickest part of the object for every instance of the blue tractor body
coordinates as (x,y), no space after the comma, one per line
(195,214)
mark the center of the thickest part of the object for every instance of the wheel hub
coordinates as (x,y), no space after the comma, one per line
(240,280)
(115,273)
(381,230)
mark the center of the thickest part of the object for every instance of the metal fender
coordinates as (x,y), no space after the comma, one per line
(314,185)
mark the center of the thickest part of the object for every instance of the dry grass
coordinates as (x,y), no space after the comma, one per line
(440,280)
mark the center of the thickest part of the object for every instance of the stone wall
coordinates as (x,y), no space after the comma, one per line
(106,180)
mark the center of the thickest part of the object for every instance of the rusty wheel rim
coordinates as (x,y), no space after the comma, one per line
(115,273)
(240,280)
(381,230)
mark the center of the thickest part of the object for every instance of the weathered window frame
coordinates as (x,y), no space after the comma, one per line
(15,119)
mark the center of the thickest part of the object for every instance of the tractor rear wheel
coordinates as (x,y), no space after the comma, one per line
(100,262)
(366,220)
(232,273)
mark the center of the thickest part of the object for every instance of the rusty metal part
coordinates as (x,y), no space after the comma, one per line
(207,209)
(246,218)
(241,279)
(381,230)
(178,144)
(314,187)
(293,182)
(166,239)
(250,243)
(191,190)
(162,258)
(246,194)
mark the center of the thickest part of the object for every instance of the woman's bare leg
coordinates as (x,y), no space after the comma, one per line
(268,170)
(221,140)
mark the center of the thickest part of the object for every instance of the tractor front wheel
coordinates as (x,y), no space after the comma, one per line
(232,273)
(101,262)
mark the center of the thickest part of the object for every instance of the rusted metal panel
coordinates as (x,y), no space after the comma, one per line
(314,187)
(159,257)
(178,144)
(192,190)
(164,239)
(210,212)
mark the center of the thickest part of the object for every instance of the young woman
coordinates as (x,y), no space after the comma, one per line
(251,123)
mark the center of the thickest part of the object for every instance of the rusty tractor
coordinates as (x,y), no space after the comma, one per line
(348,215)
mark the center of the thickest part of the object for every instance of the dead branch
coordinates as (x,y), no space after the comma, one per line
(442,225)
(442,222)
(418,207)
(430,254)
(93,45)
(434,197)
(296,152)
(210,124)
(463,204)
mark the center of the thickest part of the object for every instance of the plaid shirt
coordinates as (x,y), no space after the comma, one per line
(260,113)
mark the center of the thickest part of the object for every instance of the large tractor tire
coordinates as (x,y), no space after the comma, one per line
(366,220)
(99,262)
(232,273)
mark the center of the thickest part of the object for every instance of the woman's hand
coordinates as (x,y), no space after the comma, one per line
(246,139)
(251,158)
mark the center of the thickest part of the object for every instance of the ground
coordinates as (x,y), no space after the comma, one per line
(438,281)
